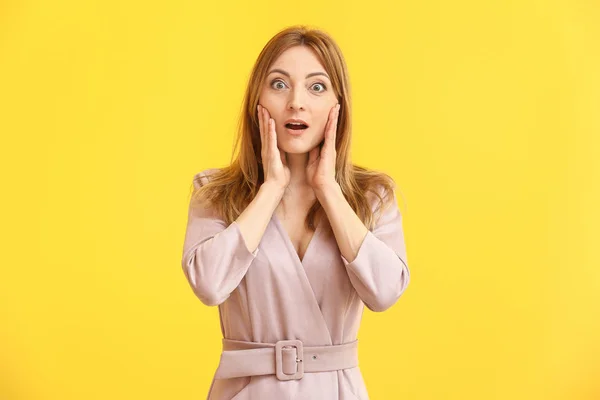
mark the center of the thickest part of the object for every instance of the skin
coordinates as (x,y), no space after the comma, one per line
(302,166)
(311,99)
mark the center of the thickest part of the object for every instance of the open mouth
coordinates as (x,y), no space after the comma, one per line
(296,127)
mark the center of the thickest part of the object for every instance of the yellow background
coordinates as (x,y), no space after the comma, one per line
(485,113)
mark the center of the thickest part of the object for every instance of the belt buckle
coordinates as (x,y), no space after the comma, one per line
(279,360)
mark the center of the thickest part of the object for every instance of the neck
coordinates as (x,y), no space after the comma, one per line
(297,164)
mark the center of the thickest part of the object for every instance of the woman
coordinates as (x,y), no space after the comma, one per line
(269,238)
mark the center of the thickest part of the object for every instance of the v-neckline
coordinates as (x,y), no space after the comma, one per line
(289,242)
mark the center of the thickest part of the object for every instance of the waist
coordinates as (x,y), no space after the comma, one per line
(286,359)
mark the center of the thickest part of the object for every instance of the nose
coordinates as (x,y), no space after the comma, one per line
(296,101)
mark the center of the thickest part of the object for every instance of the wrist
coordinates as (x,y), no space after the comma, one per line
(272,189)
(328,192)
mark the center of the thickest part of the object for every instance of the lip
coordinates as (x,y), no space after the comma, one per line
(296,120)
(295,132)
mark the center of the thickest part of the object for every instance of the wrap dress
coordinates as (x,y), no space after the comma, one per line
(270,294)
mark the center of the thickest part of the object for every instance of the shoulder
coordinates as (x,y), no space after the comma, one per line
(203,177)
(377,186)
(381,195)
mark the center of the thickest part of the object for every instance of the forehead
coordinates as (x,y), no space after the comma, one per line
(298,60)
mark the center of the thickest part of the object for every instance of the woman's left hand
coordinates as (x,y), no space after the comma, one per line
(320,169)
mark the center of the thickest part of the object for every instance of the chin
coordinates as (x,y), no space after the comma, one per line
(296,149)
(298,146)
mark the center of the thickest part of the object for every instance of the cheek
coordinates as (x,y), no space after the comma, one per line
(319,132)
(266,100)
(322,124)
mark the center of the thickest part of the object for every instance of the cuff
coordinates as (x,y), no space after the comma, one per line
(361,250)
(242,250)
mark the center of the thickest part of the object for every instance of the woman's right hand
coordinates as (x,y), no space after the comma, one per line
(275,167)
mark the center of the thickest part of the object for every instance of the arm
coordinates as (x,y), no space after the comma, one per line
(216,257)
(378,270)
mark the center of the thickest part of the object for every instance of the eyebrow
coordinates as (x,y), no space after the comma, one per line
(307,76)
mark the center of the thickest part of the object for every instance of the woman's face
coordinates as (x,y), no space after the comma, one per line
(297,87)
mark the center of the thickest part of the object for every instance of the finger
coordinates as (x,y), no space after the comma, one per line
(267,129)
(264,137)
(260,124)
(333,127)
(330,121)
(267,124)
(263,115)
(333,135)
(273,135)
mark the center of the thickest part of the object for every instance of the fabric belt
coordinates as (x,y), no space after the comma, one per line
(287,359)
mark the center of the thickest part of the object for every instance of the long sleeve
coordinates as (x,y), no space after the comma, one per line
(380,273)
(215,257)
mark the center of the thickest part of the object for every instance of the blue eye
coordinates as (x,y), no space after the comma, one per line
(277,81)
(324,87)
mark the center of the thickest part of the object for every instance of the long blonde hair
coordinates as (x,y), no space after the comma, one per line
(233,187)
